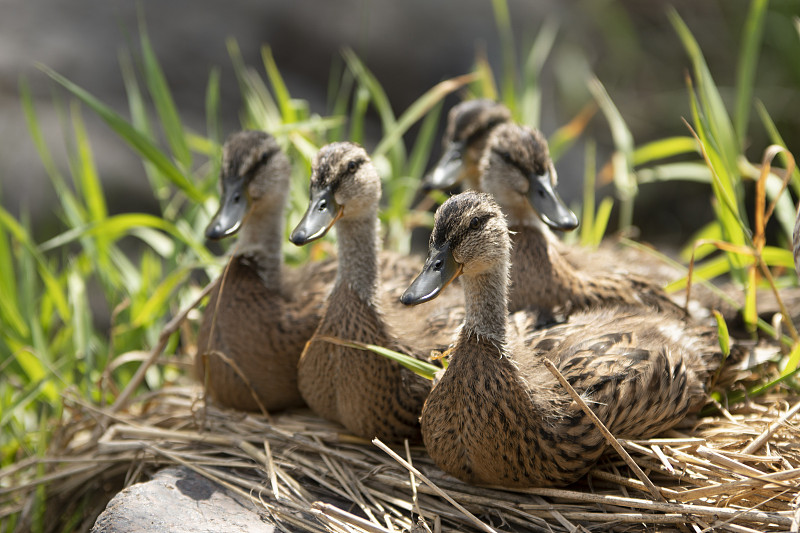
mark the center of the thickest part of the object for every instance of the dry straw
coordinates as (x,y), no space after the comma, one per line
(737,471)
(737,474)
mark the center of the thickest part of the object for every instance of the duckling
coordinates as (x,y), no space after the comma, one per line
(468,127)
(260,314)
(368,394)
(497,416)
(517,170)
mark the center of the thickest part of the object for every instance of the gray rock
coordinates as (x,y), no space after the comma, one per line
(180,500)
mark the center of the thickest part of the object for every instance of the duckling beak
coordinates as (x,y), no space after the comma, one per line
(440,269)
(548,204)
(448,170)
(231,212)
(321,215)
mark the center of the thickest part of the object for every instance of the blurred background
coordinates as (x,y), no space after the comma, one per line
(629,45)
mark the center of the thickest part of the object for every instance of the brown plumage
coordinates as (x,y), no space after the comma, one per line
(468,127)
(498,416)
(368,394)
(261,317)
(515,161)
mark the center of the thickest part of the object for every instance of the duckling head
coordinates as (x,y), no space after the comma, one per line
(517,170)
(469,237)
(344,185)
(255,171)
(468,126)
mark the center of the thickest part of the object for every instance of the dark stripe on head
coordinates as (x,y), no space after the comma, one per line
(474,118)
(245,151)
(454,216)
(526,147)
(335,161)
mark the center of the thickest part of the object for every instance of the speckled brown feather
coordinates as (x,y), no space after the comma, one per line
(497,416)
(542,279)
(263,331)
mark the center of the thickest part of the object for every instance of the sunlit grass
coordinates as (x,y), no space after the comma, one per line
(49,341)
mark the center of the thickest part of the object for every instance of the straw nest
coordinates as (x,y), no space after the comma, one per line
(738,470)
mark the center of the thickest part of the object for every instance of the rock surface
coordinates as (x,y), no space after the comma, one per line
(178,499)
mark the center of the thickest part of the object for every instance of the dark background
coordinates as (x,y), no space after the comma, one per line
(409,45)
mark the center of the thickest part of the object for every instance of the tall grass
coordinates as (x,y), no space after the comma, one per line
(51,346)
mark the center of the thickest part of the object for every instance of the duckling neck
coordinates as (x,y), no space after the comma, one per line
(536,256)
(358,256)
(261,239)
(485,299)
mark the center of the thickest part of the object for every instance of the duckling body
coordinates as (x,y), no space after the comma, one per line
(262,330)
(368,394)
(497,416)
(517,170)
(469,124)
(260,313)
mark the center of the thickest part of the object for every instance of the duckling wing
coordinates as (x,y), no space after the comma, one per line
(633,373)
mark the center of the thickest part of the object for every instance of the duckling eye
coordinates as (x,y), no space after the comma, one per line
(475,223)
(351,166)
(263,159)
(539,169)
(506,156)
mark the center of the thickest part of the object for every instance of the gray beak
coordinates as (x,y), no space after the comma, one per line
(440,269)
(231,212)
(448,170)
(322,213)
(548,204)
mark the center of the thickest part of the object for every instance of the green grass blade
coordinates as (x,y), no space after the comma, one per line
(358,112)
(213,128)
(710,232)
(278,86)
(530,105)
(663,149)
(36,133)
(589,199)
(81,319)
(774,256)
(9,304)
(54,289)
(136,140)
(708,270)
(776,138)
(503,20)
(696,172)
(601,220)
(160,297)
(719,124)
(261,111)
(722,334)
(418,109)
(426,140)
(421,368)
(793,361)
(164,104)
(88,182)
(746,68)
(624,178)
(396,152)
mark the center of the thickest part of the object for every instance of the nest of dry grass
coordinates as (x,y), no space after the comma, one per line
(738,471)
